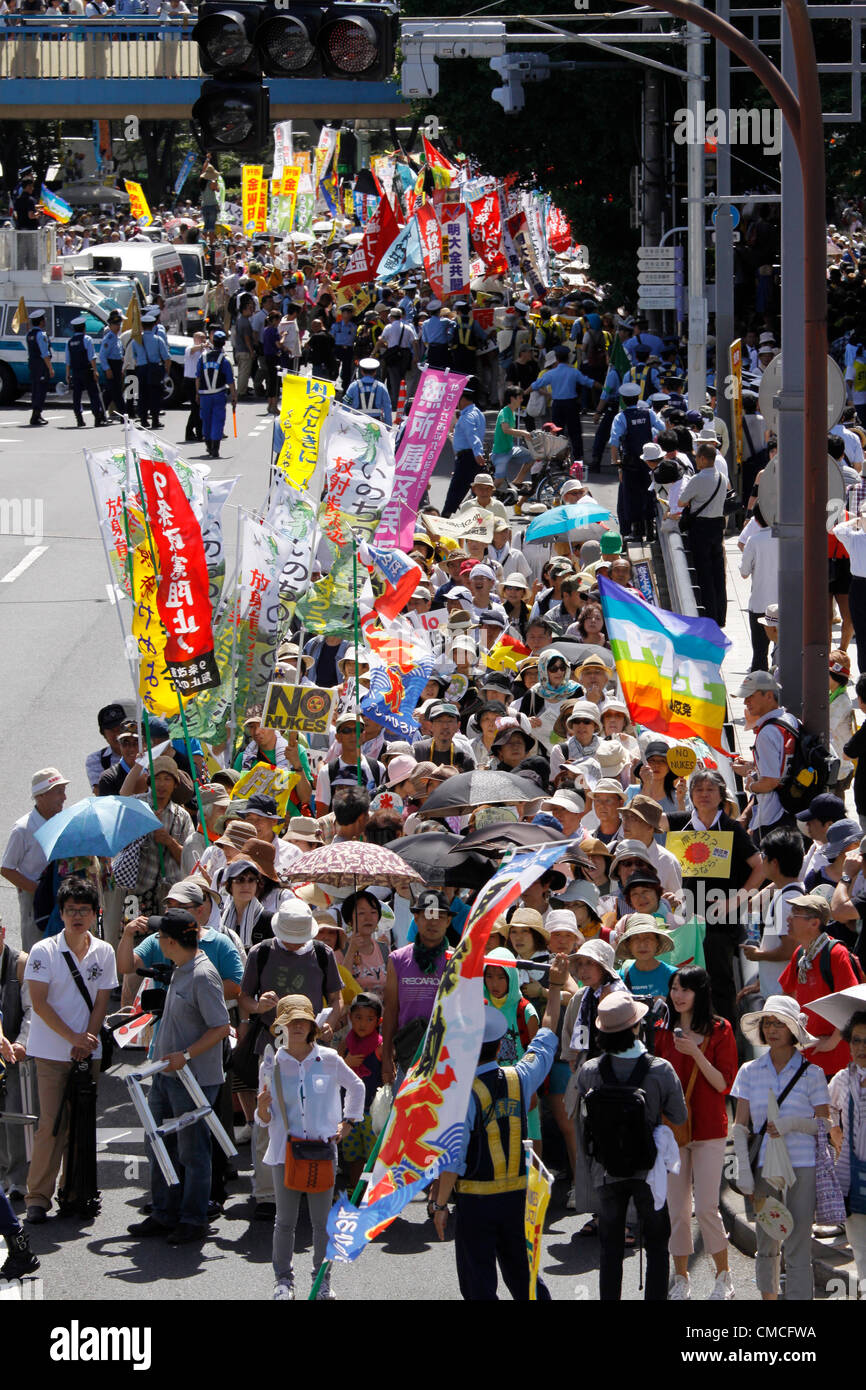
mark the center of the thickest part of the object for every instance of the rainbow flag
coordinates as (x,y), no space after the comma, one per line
(668,665)
(54,206)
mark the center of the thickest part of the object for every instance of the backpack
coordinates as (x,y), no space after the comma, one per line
(617,1131)
(825,963)
(807,770)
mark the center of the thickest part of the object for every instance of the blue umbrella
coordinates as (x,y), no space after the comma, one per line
(100,825)
(569,518)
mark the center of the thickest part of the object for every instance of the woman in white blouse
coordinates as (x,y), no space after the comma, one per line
(299,1098)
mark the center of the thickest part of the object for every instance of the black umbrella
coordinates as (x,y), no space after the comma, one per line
(461,795)
(498,838)
(577,652)
(437,856)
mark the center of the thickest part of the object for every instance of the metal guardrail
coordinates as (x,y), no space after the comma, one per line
(74,49)
(679,579)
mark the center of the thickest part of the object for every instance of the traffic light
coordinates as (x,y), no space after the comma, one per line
(233,114)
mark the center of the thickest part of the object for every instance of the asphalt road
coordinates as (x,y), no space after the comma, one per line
(60,636)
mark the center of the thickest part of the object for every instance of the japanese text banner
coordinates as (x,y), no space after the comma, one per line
(425,433)
(183,597)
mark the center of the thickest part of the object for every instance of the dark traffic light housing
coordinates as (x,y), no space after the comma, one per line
(233,114)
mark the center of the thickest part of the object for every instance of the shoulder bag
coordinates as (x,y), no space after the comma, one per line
(688,516)
(106,1037)
(757,1139)
(309,1165)
(683,1132)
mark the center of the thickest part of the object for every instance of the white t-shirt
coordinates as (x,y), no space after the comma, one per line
(775,931)
(45,965)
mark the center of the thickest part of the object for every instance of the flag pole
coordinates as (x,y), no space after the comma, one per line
(357,629)
(144,709)
(233,720)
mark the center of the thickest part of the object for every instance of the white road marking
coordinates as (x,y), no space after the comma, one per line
(23,564)
(7,440)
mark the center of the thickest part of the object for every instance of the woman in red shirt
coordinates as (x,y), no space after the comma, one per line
(702,1050)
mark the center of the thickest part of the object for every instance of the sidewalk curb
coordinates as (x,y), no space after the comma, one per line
(830,1259)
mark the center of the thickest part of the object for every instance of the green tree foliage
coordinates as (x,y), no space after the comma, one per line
(577,138)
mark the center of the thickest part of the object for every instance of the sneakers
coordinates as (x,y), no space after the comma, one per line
(569,1201)
(284,1291)
(243,1134)
(680,1290)
(326,1295)
(723,1288)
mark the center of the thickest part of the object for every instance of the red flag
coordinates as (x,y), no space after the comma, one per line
(485,227)
(379,233)
(431,247)
(436,159)
(559,236)
(183,597)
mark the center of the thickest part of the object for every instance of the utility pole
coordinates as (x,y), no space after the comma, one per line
(724,225)
(652,172)
(697,377)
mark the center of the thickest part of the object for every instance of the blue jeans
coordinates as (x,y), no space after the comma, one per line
(189,1151)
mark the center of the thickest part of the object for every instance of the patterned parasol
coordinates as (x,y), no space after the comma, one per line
(352,863)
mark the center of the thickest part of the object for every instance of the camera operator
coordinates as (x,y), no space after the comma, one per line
(194,1022)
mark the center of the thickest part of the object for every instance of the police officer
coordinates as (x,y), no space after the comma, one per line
(490,1174)
(564,381)
(344,333)
(81,372)
(368,394)
(468,443)
(214,378)
(40,364)
(151,363)
(644,374)
(468,339)
(634,426)
(438,334)
(111,362)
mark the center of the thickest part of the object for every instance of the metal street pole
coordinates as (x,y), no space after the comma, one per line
(697,355)
(790,407)
(804,119)
(724,245)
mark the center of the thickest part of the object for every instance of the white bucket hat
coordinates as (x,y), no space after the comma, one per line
(293,922)
(601,952)
(786,1010)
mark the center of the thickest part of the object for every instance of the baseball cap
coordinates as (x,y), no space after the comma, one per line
(813,903)
(430,903)
(441,707)
(110,716)
(825,808)
(755,681)
(482,572)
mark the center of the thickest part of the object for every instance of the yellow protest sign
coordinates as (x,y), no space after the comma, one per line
(264,780)
(304,405)
(155,685)
(539,1184)
(138,208)
(305,708)
(20,319)
(702,853)
(681,760)
(254,199)
(356,295)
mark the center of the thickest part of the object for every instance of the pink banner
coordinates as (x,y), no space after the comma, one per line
(426,431)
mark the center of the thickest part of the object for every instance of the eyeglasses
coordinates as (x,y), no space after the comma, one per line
(247,878)
(556,666)
(581,721)
(628,863)
(77,909)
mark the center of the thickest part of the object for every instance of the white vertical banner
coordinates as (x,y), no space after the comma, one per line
(284,154)
(455,265)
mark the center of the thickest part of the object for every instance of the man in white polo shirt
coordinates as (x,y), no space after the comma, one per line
(23,860)
(64,1030)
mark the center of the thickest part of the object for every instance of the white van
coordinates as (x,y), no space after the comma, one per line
(192,260)
(156,265)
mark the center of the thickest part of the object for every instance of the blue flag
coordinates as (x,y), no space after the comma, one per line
(184,173)
(404,253)
(394,693)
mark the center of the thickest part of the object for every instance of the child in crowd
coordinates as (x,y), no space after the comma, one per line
(362,1051)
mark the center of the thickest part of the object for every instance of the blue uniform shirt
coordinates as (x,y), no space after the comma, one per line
(42,344)
(153,348)
(563,381)
(379,401)
(642,372)
(617,429)
(209,359)
(469,430)
(436,330)
(647,340)
(532,1068)
(612,383)
(111,348)
(344,334)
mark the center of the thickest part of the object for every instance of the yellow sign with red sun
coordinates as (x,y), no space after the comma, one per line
(702,853)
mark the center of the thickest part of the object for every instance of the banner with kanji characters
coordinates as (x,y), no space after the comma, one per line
(454,224)
(283,146)
(264,553)
(182,599)
(423,438)
(155,685)
(431,246)
(559,236)
(292,514)
(254,199)
(217,493)
(284,192)
(303,407)
(485,229)
(358,456)
(138,208)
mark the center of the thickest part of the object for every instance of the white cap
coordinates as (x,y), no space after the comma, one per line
(293,922)
(369,364)
(482,572)
(45,779)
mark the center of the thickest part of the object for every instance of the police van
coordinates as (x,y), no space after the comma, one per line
(28,271)
(156,265)
(192,260)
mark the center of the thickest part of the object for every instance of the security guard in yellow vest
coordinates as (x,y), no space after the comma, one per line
(490,1175)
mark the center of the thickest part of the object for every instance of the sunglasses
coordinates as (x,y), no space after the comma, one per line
(556,666)
(247,878)
(581,721)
